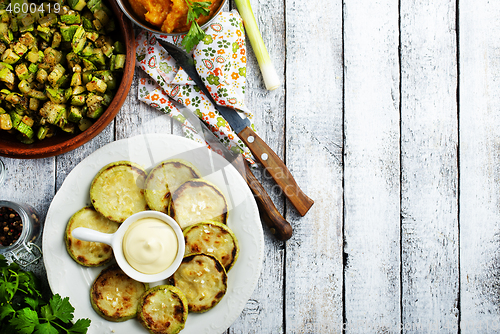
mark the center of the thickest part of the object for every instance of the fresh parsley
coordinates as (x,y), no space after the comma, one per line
(195,33)
(24,310)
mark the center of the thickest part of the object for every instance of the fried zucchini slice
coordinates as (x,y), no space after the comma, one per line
(202,279)
(115,296)
(196,201)
(164,179)
(212,238)
(163,310)
(117,190)
(86,253)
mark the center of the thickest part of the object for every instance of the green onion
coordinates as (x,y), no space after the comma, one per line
(267,69)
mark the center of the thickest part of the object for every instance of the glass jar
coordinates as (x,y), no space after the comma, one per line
(23,251)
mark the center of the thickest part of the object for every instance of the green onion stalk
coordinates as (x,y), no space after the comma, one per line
(267,69)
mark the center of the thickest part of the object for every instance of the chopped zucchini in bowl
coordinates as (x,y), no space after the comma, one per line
(44,59)
(164,179)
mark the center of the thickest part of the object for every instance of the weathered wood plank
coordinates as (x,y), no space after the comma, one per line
(314,76)
(29,181)
(137,118)
(429,160)
(479,160)
(263,313)
(66,162)
(372,167)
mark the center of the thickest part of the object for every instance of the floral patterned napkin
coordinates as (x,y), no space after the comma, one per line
(221,62)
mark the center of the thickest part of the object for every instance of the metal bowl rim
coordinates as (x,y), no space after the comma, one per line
(159,32)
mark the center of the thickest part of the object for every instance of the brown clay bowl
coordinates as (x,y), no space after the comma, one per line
(62,143)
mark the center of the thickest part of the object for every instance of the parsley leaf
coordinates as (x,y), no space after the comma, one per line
(61,308)
(25,321)
(80,326)
(45,328)
(32,302)
(24,311)
(195,33)
(6,310)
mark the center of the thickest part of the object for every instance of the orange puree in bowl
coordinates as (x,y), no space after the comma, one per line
(170,15)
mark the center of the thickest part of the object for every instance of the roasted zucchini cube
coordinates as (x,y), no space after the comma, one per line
(77,100)
(67,32)
(76,79)
(56,40)
(56,74)
(71,18)
(48,20)
(56,95)
(36,94)
(10,57)
(22,71)
(52,56)
(75,114)
(84,124)
(52,112)
(5,122)
(77,90)
(41,75)
(77,4)
(34,104)
(28,39)
(24,86)
(96,85)
(7,76)
(79,39)
(6,35)
(19,49)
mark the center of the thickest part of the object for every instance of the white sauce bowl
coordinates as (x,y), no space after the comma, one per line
(115,240)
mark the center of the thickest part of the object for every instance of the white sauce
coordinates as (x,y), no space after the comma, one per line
(150,245)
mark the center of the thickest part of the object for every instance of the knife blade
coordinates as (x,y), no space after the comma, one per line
(262,152)
(277,225)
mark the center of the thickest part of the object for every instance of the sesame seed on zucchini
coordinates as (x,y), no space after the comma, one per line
(164,179)
(163,310)
(117,190)
(86,253)
(115,296)
(202,279)
(212,238)
(196,201)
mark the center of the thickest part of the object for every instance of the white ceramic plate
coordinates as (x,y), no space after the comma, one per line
(69,279)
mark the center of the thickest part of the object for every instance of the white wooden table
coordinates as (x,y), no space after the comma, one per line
(389,118)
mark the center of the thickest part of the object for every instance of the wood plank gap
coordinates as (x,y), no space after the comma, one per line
(400,171)
(457,34)
(285,204)
(344,254)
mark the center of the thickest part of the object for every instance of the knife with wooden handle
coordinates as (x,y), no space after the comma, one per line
(262,152)
(277,225)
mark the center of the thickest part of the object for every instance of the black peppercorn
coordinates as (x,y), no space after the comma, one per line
(12,226)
